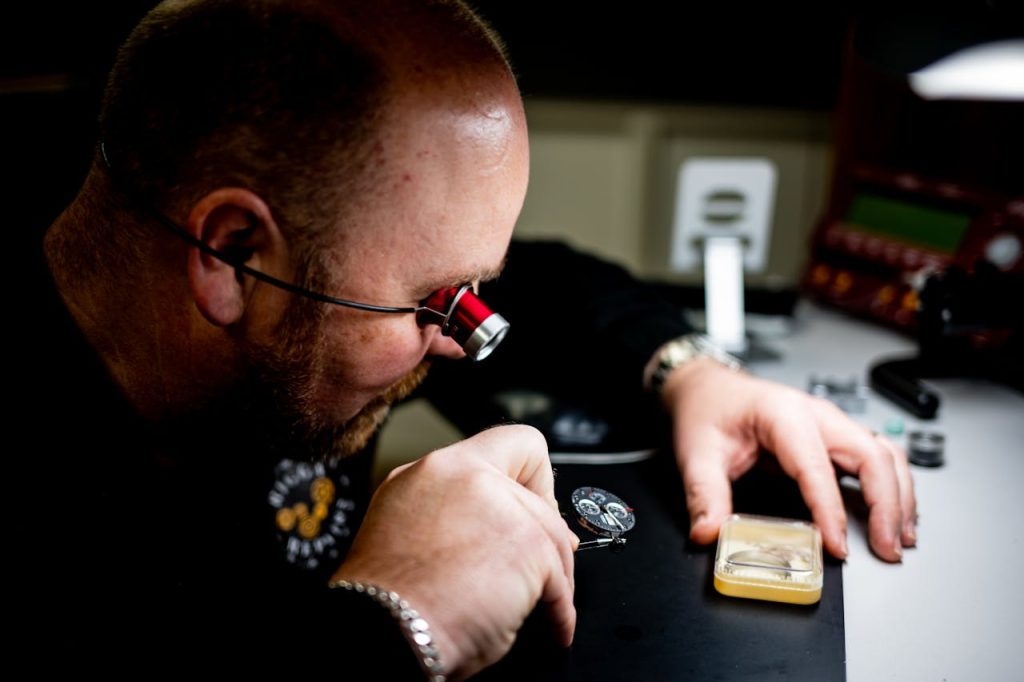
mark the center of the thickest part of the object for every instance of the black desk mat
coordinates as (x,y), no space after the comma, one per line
(651,611)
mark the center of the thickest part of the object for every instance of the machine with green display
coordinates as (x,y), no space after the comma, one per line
(874,251)
(935,258)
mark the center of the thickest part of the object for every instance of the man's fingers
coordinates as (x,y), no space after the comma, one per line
(520,453)
(563,539)
(708,490)
(908,500)
(857,451)
(560,580)
(516,457)
(801,452)
(557,595)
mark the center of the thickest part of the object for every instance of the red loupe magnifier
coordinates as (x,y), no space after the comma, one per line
(465,318)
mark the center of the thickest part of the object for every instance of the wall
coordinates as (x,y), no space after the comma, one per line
(603,176)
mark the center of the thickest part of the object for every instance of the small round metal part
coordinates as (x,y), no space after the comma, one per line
(602,512)
(616,510)
(926,448)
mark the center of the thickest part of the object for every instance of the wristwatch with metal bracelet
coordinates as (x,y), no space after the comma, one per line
(678,352)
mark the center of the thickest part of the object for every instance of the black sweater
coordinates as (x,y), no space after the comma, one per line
(129,553)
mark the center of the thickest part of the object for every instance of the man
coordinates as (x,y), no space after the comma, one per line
(256,159)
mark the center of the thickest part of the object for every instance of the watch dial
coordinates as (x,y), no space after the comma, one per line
(602,512)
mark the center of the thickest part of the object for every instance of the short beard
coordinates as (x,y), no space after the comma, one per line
(282,403)
(353,436)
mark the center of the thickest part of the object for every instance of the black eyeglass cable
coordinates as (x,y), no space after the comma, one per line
(169,224)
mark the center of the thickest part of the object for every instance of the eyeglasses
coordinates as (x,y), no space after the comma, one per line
(457,310)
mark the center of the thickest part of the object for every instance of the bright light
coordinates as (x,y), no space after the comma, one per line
(992,71)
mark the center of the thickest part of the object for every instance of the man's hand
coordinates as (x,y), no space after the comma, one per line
(722,418)
(471,537)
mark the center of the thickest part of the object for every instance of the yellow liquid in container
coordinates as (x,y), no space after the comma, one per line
(763,557)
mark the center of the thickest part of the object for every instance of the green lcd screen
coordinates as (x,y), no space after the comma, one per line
(935,228)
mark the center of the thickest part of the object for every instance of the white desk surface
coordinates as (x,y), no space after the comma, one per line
(953,609)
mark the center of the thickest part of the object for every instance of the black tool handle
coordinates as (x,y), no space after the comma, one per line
(897,381)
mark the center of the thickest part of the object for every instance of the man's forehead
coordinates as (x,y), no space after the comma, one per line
(444,187)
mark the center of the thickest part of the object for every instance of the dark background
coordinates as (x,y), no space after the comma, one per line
(784,54)
(54,57)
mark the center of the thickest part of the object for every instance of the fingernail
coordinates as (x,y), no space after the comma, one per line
(897,547)
(701,518)
(844,547)
(912,534)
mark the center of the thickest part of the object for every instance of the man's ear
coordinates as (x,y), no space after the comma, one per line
(237,223)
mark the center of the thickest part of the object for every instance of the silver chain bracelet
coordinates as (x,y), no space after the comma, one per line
(415,628)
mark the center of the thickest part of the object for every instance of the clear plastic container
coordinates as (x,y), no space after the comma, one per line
(762,557)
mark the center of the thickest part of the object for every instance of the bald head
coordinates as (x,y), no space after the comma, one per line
(284,97)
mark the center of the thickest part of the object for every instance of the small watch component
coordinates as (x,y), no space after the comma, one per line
(894,426)
(850,396)
(926,448)
(604,514)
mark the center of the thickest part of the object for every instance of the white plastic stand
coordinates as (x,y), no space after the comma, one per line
(723,292)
